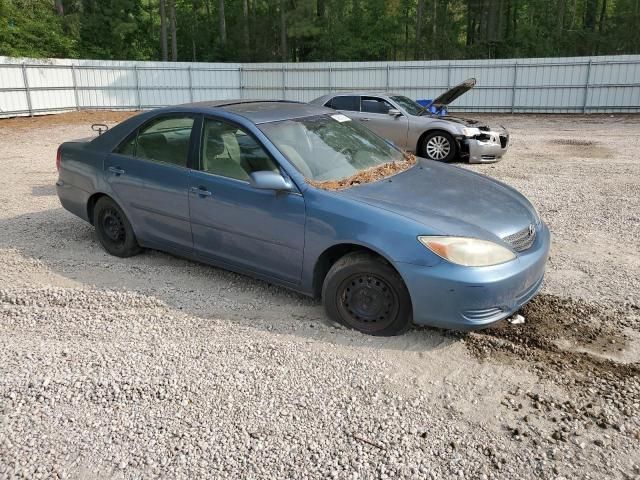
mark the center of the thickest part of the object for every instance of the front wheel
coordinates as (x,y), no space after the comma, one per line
(439,146)
(113,229)
(365,293)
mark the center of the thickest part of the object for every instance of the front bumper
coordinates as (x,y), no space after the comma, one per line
(468,298)
(488,147)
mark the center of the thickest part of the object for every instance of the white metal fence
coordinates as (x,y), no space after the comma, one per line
(554,85)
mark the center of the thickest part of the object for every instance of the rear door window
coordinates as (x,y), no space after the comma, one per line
(345,102)
(164,140)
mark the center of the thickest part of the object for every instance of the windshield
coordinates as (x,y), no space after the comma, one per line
(330,147)
(411,107)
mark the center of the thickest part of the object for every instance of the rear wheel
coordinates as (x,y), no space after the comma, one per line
(113,229)
(439,146)
(365,293)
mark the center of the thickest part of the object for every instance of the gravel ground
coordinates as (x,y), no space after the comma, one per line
(159,367)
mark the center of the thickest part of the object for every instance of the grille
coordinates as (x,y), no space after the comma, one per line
(522,239)
(504,139)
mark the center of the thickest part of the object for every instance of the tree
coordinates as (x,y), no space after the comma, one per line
(419,18)
(163,31)
(245,28)
(174,30)
(317,30)
(222,23)
(283,31)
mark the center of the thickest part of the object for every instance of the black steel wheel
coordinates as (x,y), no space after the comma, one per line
(365,293)
(113,229)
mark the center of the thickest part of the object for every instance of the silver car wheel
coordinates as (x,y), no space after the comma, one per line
(438,147)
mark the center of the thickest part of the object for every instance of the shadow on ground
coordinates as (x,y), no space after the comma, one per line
(68,248)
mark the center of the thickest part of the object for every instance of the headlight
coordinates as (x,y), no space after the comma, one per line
(470,252)
(470,132)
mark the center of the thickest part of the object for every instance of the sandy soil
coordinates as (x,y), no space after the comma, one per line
(561,391)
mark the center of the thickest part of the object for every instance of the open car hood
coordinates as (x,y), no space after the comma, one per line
(453,93)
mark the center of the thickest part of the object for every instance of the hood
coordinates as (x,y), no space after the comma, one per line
(467,122)
(453,93)
(450,201)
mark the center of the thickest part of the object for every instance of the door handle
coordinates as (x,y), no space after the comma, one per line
(365,119)
(202,191)
(116,170)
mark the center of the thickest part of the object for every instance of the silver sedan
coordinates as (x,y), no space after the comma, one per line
(418,129)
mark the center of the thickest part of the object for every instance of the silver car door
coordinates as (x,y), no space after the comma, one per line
(374,114)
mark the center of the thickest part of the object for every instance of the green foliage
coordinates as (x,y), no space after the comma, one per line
(31,28)
(317,30)
(114,29)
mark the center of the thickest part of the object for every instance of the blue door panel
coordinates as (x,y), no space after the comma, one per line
(259,230)
(155,198)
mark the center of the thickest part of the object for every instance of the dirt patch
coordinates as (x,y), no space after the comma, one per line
(84,116)
(573,141)
(581,148)
(369,175)
(571,343)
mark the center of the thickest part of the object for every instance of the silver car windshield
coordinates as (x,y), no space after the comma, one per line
(329,147)
(410,106)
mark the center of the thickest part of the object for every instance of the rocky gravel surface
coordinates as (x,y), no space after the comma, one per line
(157,367)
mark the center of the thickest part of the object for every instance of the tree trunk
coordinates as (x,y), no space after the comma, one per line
(561,5)
(603,15)
(222,23)
(163,31)
(172,26)
(406,31)
(434,31)
(194,28)
(590,15)
(472,15)
(59,7)
(283,31)
(245,27)
(419,15)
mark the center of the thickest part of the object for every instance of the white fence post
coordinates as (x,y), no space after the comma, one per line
(513,89)
(388,78)
(284,82)
(586,87)
(138,101)
(27,89)
(190,84)
(75,86)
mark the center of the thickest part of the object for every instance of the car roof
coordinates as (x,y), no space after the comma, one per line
(263,111)
(369,93)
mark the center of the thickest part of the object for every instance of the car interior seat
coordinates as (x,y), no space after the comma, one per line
(152,146)
(221,153)
(288,139)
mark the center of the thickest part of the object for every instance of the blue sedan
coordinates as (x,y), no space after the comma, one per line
(240,185)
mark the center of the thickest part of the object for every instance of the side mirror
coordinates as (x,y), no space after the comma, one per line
(268,180)
(394,112)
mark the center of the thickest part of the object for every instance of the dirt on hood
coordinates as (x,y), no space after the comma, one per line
(369,175)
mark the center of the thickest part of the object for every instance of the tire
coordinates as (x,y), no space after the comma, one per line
(113,229)
(365,293)
(439,146)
